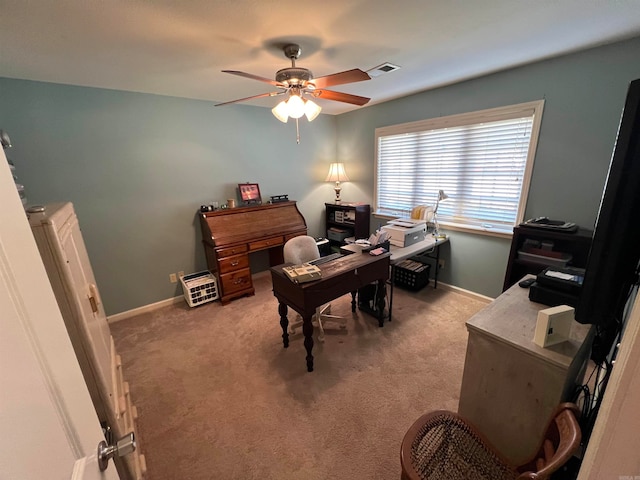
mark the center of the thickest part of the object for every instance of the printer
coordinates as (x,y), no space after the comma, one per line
(406,231)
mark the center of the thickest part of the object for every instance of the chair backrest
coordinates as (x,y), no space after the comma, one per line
(440,440)
(561,440)
(301,249)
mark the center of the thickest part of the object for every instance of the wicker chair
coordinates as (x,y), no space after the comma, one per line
(441,445)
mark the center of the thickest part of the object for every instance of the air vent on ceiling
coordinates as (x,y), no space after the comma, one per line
(382,69)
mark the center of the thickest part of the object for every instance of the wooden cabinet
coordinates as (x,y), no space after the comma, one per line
(576,244)
(510,385)
(230,235)
(351,218)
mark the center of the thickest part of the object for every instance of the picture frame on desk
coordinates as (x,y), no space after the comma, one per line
(250,192)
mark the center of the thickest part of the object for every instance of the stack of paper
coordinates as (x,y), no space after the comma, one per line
(379,237)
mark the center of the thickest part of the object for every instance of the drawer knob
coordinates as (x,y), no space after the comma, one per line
(235,264)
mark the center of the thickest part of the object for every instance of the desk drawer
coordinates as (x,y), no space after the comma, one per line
(235,281)
(230,264)
(227,252)
(266,243)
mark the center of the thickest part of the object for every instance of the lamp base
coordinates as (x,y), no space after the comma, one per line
(337,190)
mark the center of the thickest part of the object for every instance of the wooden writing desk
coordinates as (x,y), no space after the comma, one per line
(230,235)
(426,248)
(339,277)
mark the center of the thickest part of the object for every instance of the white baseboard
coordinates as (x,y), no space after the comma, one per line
(147,308)
(466,293)
(171,301)
(163,303)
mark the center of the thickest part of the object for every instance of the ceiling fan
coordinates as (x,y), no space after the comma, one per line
(297,82)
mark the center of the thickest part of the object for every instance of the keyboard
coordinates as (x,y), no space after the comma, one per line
(325,259)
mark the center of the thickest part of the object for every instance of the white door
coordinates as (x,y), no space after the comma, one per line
(48,423)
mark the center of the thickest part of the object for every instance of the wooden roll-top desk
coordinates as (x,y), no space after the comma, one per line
(230,235)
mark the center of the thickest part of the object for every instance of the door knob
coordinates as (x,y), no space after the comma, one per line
(123,446)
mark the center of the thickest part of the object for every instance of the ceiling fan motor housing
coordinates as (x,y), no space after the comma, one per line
(296,81)
(294,76)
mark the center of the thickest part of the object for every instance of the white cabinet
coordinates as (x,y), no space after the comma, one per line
(57,233)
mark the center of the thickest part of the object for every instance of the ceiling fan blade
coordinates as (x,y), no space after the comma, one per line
(349,76)
(340,97)
(270,94)
(254,77)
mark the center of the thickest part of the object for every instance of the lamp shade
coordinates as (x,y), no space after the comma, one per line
(296,106)
(311,109)
(281,111)
(337,173)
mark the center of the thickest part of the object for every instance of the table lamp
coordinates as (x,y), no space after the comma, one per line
(436,228)
(337,174)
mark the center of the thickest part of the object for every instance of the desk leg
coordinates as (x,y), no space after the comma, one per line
(381,294)
(435,277)
(353,300)
(284,323)
(307,330)
(391,290)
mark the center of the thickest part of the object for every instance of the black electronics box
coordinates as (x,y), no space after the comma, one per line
(565,279)
(551,297)
(557,286)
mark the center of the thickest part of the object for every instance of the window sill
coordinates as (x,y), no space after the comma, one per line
(458,228)
(476,230)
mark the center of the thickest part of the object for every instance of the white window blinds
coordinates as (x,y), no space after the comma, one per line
(482,161)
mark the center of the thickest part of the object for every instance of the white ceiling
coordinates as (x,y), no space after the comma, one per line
(178,48)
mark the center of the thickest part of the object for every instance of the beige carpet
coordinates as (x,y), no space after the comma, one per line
(218,396)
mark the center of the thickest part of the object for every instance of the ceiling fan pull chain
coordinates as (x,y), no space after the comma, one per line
(297,132)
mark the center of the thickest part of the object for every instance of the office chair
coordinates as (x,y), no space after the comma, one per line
(302,249)
(442,445)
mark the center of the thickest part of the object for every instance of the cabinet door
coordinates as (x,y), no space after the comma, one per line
(74,284)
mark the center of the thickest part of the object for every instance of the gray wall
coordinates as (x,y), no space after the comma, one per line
(584,94)
(137,166)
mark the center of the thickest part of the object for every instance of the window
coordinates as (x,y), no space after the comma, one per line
(482,160)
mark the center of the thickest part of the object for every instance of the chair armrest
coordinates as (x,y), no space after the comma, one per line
(561,440)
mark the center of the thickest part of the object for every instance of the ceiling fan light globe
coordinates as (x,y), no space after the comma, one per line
(295,106)
(311,109)
(281,111)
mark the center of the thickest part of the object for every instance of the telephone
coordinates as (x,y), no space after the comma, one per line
(305,272)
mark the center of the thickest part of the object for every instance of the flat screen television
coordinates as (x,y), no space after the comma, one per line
(612,265)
